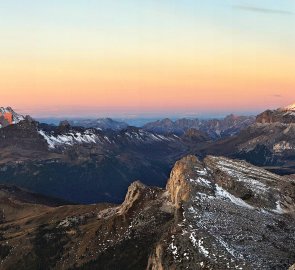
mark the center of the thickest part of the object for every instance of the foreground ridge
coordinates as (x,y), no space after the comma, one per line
(217,213)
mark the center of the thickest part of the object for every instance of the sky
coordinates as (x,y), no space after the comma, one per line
(129,58)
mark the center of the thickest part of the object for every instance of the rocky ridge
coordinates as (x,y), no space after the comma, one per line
(217,213)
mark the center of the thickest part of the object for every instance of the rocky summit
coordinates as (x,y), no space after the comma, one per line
(217,213)
(8,117)
(284,115)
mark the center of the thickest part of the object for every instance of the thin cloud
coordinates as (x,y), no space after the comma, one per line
(263,10)
(277,96)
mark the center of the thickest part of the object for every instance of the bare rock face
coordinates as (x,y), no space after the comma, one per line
(178,186)
(137,194)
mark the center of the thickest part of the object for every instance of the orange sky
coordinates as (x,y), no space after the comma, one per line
(159,61)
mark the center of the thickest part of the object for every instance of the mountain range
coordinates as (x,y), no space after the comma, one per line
(42,157)
(215,128)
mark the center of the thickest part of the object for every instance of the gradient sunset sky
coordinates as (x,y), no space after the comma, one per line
(146,57)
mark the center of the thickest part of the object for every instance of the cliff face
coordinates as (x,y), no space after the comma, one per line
(214,214)
(178,185)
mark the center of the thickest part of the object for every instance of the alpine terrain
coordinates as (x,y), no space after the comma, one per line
(217,213)
(269,142)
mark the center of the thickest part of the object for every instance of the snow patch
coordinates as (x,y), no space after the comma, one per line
(279,209)
(68,139)
(243,173)
(198,243)
(201,181)
(222,193)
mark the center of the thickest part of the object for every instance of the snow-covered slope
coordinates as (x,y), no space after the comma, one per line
(68,139)
(128,136)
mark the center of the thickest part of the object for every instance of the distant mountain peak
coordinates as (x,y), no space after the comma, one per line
(284,115)
(8,117)
(289,107)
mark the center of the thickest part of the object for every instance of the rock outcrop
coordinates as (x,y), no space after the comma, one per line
(137,194)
